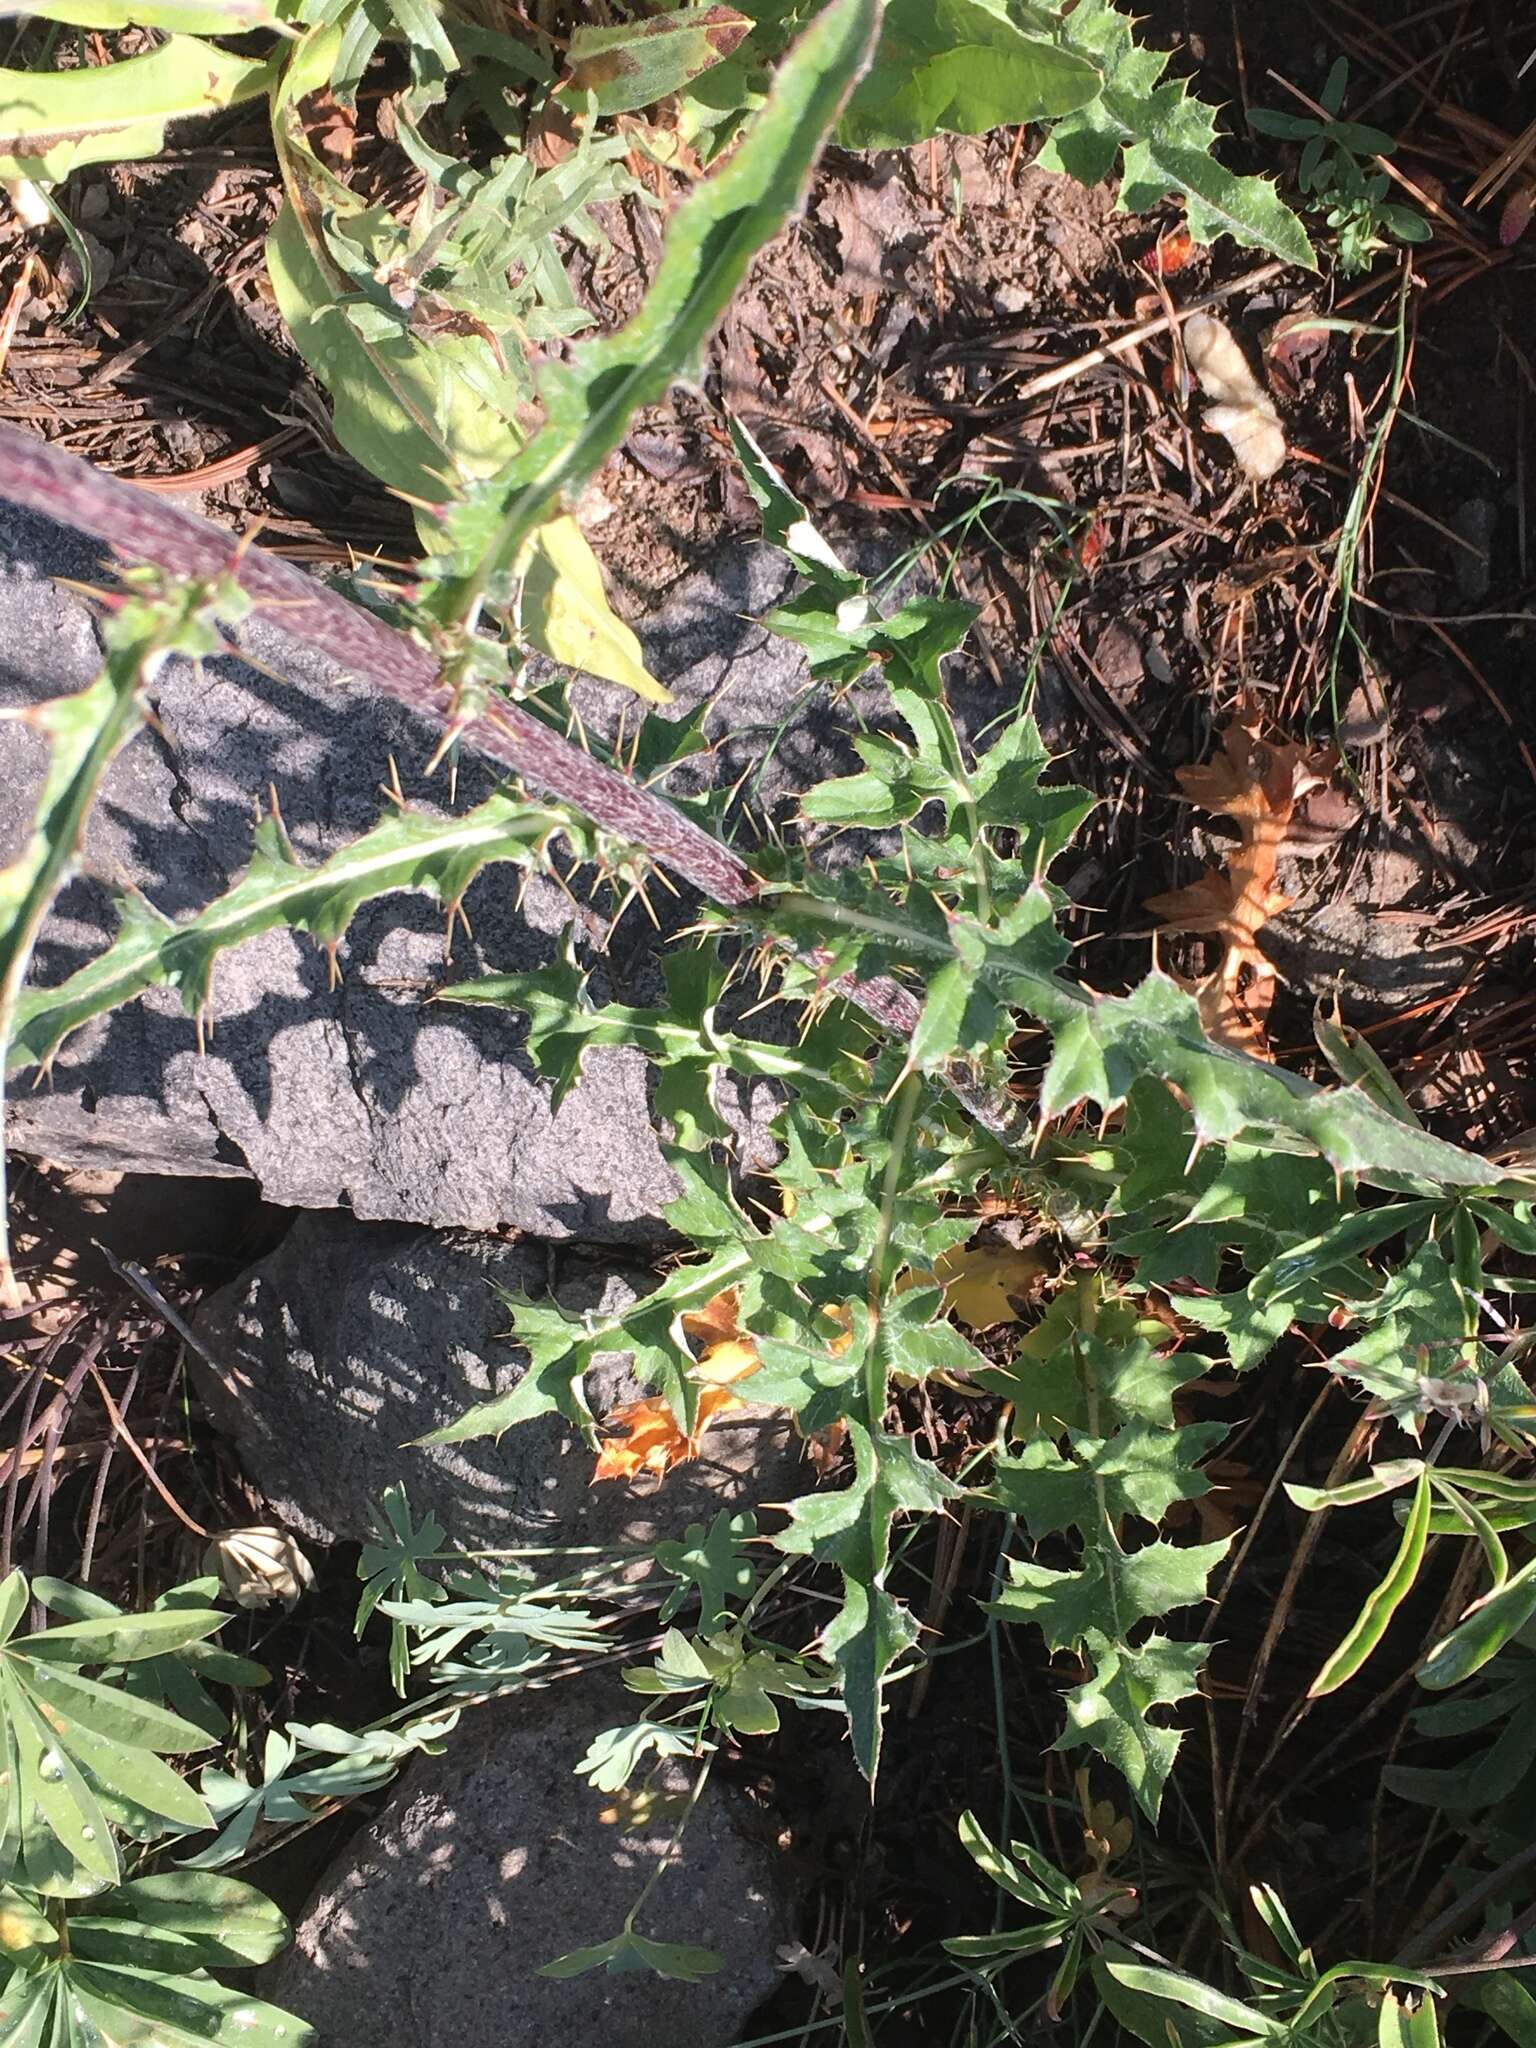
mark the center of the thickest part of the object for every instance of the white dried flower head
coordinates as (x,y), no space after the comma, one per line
(1243,410)
(260,1567)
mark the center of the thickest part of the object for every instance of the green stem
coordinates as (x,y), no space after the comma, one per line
(880,1257)
(669,1854)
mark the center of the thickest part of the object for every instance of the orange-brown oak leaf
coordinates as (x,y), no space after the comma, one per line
(1258,783)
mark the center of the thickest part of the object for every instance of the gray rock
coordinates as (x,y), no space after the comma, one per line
(490,1860)
(356,1095)
(332,1356)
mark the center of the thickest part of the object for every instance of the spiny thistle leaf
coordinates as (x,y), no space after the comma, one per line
(852,1529)
(1140,1470)
(1105,1044)
(1110,1711)
(1168,136)
(1110,1594)
(83,733)
(686,1037)
(407,850)
(711,239)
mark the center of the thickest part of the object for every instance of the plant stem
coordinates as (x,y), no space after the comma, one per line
(142,527)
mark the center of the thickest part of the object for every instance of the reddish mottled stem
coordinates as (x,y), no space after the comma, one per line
(142,527)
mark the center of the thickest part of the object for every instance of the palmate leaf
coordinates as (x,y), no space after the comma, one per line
(178,1680)
(713,1563)
(628,1950)
(852,1530)
(78,2004)
(282,1792)
(390,1568)
(613,1756)
(82,1758)
(1110,1711)
(711,239)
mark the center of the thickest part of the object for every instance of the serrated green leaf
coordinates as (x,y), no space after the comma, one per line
(1109,1712)
(1083,1364)
(1140,1470)
(404,851)
(1167,135)
(1110,1593)
(851,1529)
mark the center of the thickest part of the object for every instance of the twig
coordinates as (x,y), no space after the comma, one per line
(143,527)
(1063,373)
(131,1444)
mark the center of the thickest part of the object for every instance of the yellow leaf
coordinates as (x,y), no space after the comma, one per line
(564,612)
(980,1282)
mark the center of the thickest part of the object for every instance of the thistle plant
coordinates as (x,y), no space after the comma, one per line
(1193,1205)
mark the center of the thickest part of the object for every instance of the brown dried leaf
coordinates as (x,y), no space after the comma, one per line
(1259,784)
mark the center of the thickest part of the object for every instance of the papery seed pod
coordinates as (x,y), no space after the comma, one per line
(260,1567)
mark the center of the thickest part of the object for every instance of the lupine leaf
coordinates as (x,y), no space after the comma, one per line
(80,1757)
